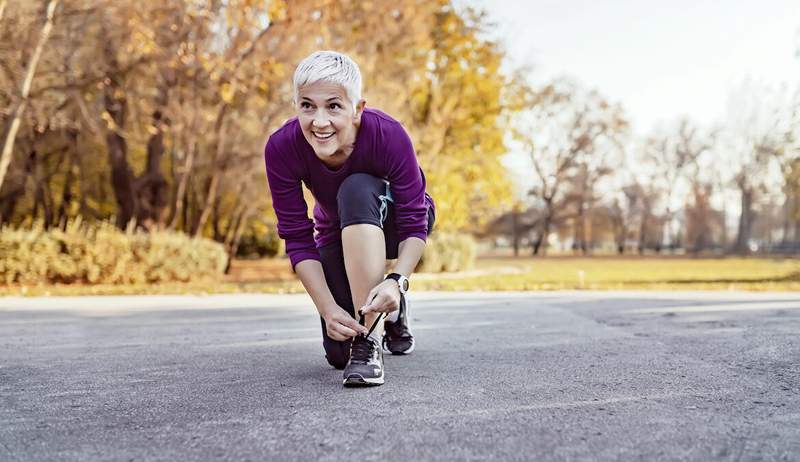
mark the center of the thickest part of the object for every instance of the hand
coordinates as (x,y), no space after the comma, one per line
(340,325)
(383,298)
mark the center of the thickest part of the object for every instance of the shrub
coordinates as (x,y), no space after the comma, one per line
(448,252)
(102,254)
(267,245)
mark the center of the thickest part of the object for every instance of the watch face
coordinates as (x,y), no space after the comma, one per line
(405,284)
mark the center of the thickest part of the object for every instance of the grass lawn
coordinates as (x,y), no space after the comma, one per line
(501,273)
(605,273)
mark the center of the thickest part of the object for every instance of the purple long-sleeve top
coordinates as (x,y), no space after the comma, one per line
(382,148)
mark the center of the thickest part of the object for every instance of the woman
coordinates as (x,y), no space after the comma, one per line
(371,205)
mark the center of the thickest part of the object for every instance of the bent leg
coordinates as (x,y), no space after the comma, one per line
(362,209)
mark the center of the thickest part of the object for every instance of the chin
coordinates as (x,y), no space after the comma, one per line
(326,151)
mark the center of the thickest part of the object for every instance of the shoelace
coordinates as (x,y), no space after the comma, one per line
(362,321)
(361,348)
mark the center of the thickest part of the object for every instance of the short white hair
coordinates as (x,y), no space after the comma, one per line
(329,66)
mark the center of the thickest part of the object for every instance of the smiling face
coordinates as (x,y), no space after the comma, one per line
(328,120)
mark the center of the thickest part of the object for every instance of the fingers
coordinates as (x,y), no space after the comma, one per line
(344,324)
(351,325)
(383,303)
(336,336)
(344,331)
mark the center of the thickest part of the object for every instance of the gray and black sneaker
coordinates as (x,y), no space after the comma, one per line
(365,367)
(397,337)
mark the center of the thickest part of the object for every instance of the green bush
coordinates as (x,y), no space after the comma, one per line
(448,252)
(102,254)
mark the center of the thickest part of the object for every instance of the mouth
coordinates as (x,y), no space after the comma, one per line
(323,136)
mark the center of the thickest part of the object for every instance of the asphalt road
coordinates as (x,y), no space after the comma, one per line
(538,376)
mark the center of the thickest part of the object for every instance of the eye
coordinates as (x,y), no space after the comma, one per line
(305,105)
(335,106)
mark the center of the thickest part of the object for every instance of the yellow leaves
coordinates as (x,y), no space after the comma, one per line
(227,92)
(278,11)
(458,127)
(108,120)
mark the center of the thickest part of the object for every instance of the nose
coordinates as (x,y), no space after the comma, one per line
(320,119)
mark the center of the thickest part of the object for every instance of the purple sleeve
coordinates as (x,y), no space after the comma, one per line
(294,225)
(407,186)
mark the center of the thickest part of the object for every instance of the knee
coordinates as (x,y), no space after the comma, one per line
(354,187)
(357,196)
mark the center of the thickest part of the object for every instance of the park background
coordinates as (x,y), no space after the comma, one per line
(133,134)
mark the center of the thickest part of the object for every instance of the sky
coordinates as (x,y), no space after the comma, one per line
(661,60)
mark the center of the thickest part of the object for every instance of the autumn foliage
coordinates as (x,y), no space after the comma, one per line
(156,113)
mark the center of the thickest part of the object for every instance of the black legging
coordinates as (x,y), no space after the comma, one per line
(362,198)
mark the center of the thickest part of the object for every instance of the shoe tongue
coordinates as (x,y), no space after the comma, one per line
(374,338)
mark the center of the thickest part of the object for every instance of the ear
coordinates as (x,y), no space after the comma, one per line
(359,109)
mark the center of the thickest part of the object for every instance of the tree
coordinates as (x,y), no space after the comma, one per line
(433,69)
(25,87)
(673,152)
(157,113)
(756,136)
(568,132)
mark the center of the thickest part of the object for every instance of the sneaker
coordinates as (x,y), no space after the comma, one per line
(397,337)
(365,367)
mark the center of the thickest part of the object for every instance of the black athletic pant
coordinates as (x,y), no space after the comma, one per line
(362,198)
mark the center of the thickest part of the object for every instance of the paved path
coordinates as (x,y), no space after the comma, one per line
(541,376)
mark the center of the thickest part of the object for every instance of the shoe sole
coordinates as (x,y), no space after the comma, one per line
(401,353)
(357,380)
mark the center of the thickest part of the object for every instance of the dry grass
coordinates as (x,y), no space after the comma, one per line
(501,273)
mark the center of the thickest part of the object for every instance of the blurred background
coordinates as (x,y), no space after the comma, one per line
(568,144)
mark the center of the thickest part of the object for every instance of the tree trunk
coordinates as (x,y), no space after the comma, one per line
(9,202)
(152,186)
(216,215)
(540,245)
(621,233)
(643,232)
(211,193)
(515,231)
(116,105)
(66,193)
(216,172)
(179,210)
(579,229)
(16,120)
(121,178)
(237,238)
(724,236)
(233,224)
(745,222)
(40,193)
(787,216)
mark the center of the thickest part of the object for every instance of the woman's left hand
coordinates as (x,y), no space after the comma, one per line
(383,298)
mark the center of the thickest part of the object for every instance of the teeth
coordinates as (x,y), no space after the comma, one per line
(324,137)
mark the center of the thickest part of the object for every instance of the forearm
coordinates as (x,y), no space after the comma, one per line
(408,254)
(313,278)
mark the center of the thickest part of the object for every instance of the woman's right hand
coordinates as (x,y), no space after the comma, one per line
(340,325)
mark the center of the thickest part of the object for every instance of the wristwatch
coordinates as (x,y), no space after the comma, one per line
(402,281)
